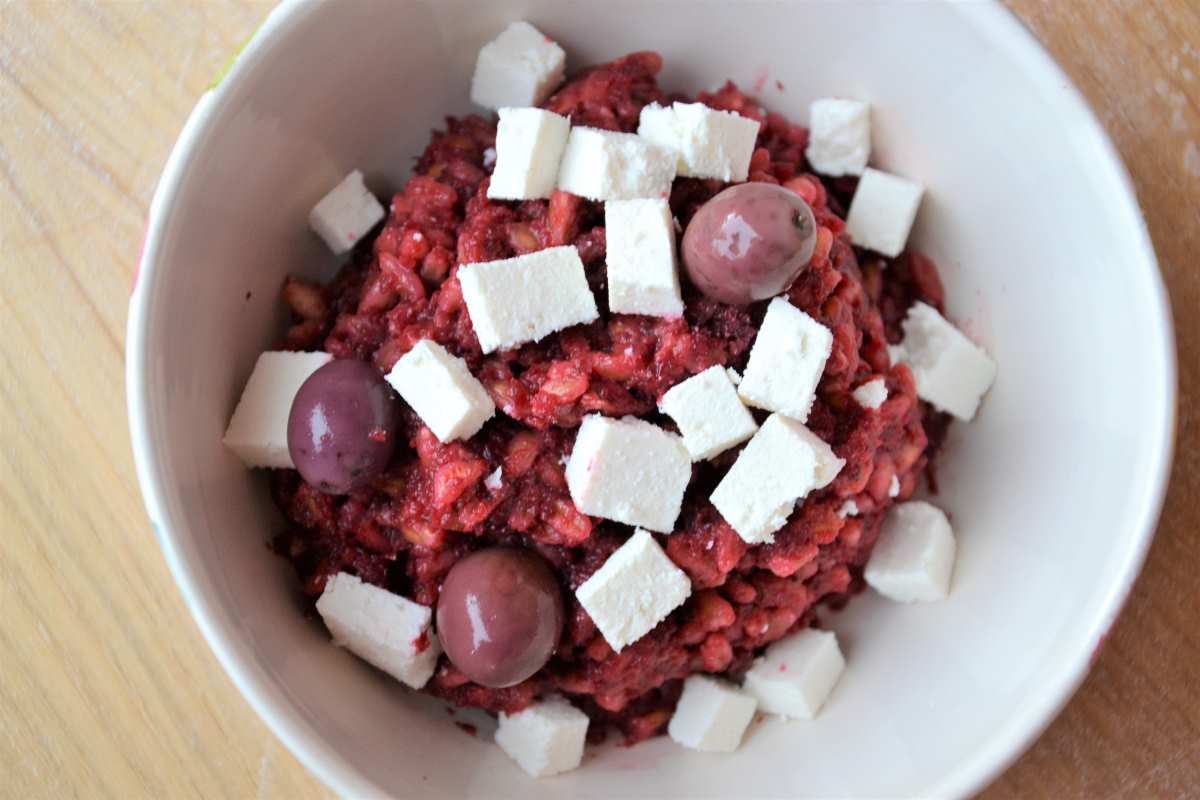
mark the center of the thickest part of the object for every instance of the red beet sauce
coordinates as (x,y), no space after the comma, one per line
(431,507)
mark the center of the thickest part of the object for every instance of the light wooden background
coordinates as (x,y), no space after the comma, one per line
(106,688)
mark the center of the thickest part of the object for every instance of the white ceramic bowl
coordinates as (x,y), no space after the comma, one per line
(1054,489)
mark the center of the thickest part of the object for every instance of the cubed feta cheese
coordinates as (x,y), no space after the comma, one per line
(524,299)
(894,486)
(709,413)
(386,630)
(544,739)
(344,216)
(711,715)
(606,165)
(257,433)
(795,676)
(882,211)
(708,143)
(848,509)
(643,275)
(781,464)
(442,390)
(495,480)
(786,361)
(839,136)
(914,557)
(871,394)
(634,590)
(520,67)
(952,372)
(629,471)
(529,145)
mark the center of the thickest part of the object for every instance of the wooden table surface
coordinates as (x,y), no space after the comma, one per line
(106,687)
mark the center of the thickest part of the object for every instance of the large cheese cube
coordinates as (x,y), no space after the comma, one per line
(882,211)
(546,738)
(257,433)
(442,390)
(871,394)
(629,471)
(952,372)
(781,464)
(795,676)
(634,590)
(520,67)
(386,630)
(344,216)
(914,557)
(529,145)
(643,276)
(839,136)
(708,412)
(786,361)
(523,299)
(707,143)
(711,715)
(606,165)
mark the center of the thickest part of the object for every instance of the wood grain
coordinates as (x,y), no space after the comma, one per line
(106,687)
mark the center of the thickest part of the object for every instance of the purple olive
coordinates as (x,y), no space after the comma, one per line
(499,615)
(342,427)
(749,243)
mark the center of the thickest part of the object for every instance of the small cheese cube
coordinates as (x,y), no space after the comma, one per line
(882,212)
(634,590)
(605,165)
(524,299)
(544,739)
(442,390)
(708,143)
(795,675)
(495,480)
(711,715)
(871,394)
(520,67)
(781,464)
(708,412)
(848,509)
(643,275)
(386,630)
(839,136)
(629,471)
(344,216)
(952,372)
(529,145)
(257,433)
(894,486)
(786,361)
(914,557)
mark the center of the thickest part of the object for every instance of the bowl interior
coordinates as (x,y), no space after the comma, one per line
(1052,490)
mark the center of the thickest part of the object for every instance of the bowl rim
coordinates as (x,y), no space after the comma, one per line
(1003,747)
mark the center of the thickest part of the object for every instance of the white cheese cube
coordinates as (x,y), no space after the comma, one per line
(781,464)
(848,509)
(386,630)
(257,433)
(606,165)
(344,216)
(871,394)
(523,299)
(711,715)
(894,486)
(952,372)
(529,145)
(786,361)
(495,480)
(546,738)
(634,590)
(708,412)
(643,275)
(442,390)
(629,471)
(914,557)
(882,211)
(839,136)
(795,676)
(520,67)
(708,143)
